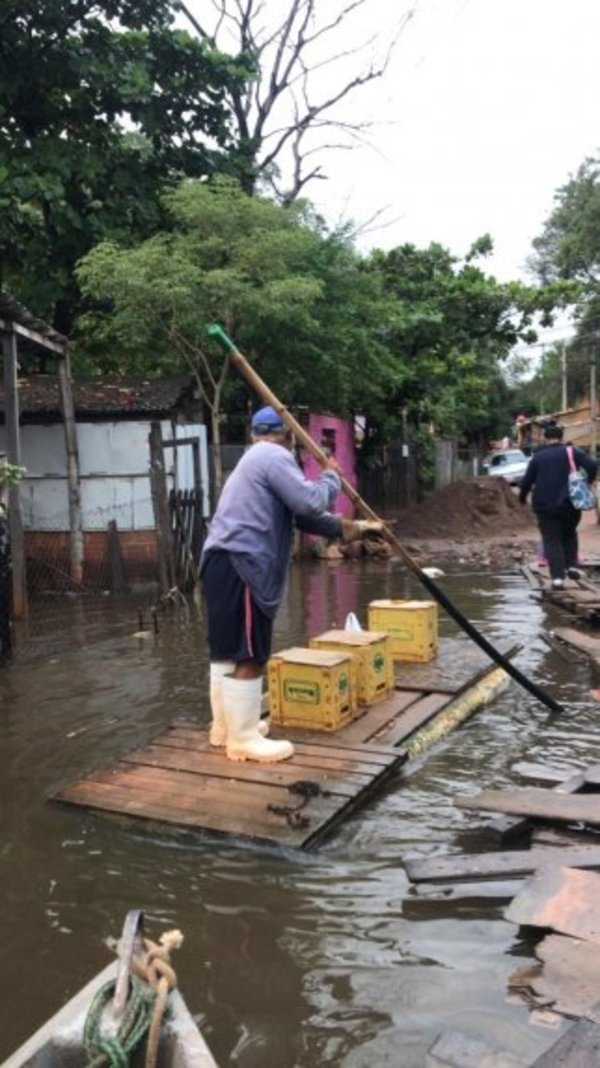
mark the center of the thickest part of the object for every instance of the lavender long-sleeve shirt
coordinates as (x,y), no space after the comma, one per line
(255,515)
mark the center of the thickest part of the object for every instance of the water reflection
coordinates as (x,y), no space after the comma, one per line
(289,962)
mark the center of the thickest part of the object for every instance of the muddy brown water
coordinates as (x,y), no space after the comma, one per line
(325,959)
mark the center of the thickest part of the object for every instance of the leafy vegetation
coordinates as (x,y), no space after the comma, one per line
(101,105)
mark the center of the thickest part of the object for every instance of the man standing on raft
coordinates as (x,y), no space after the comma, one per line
(244,564)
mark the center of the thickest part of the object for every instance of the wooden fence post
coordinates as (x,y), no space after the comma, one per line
(160,504)
(5,628)
(75,522)
(13,455)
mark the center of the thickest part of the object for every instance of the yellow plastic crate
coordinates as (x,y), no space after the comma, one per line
(372,656)
(411,625)
(313,689)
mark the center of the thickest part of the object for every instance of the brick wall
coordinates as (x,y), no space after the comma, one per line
(48,558)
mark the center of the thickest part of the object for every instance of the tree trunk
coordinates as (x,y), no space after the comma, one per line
(217,458)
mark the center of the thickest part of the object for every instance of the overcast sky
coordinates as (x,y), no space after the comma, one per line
(487,107)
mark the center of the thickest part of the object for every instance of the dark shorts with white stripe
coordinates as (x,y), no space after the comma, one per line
(237,628)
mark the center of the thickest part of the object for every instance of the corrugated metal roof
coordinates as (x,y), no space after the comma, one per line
(39,396)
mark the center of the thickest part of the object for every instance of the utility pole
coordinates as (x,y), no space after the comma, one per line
(593,402)
(563,377)
(543,380)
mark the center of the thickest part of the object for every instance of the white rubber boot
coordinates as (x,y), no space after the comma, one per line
(217,735)
(242,705)
(218,728)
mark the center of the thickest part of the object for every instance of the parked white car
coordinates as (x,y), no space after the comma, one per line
(510,464)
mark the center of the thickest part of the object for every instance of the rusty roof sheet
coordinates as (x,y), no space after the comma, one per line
(39,396)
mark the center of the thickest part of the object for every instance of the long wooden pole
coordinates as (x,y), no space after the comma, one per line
(307,441)
(76,547)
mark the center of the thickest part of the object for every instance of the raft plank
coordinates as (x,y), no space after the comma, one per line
(178,778)
(578,1048)
(565,899)
(492,865)
(560,838)
(158,756)
(457,1050)
(537,803)
(325,743)
(211,793)
(421,712)
(541,772)
(365,728)
(507,827)
(570,977)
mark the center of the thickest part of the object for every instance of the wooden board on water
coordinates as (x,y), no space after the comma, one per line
(581,642)
(496,865)
(578,597)
(579,1048)
(178,779)
(566,900)
(453,1049)
(569,980)
(537,804)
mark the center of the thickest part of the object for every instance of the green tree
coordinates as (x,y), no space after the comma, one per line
(567,252)
(294,296)
(102,102)
(452,327)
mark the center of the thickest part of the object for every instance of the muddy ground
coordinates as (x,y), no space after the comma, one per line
(480,520)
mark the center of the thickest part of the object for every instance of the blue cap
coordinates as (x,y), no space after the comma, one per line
(266,421)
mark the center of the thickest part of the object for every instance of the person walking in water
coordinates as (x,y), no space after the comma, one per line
(243,567)
(548,475)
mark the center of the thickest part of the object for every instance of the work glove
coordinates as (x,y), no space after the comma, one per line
(353,529)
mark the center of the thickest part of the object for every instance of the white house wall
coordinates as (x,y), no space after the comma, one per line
(113,461)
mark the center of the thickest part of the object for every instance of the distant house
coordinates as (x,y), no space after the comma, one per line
(580,427)
(337,438)
(113,425)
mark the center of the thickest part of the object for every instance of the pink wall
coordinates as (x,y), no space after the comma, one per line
(326,429)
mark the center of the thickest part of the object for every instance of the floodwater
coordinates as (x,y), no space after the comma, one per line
(288,961)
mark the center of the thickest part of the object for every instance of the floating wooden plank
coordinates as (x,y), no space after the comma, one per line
(180,780)
(569,980)
(541,772)
(563,899)
(507,828)
(578,597)
(398,730)
(583,643)
(510,864)
(579,1048)
(547,837)
(453,1049)
(536,803)
(367,726)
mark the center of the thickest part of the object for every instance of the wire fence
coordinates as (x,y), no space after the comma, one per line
(116,590)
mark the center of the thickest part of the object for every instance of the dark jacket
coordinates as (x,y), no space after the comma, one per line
(548,473)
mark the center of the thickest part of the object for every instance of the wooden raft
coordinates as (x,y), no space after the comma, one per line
(180,780)
(580,597)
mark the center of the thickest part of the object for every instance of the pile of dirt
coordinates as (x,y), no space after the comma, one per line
(472,508)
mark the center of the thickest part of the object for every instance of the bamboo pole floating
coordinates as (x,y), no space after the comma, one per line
(241,363)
